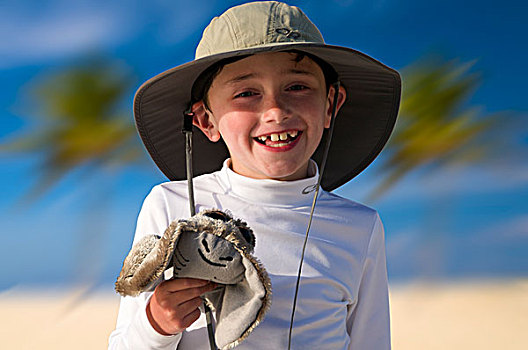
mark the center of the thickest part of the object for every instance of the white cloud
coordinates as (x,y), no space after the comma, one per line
(511,228)
(472,180)
(486,179)
(60,30)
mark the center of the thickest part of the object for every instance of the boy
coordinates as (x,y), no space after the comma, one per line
(263,85)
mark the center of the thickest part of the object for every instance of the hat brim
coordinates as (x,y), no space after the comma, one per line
(362,127)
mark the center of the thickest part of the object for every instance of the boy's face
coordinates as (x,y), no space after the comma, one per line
(271,112)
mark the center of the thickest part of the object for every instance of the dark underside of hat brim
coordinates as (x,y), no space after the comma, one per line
(362,127)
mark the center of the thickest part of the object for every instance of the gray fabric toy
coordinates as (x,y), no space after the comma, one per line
(212,246)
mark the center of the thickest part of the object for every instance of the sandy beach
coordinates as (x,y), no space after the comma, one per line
(463,315)
(471,315)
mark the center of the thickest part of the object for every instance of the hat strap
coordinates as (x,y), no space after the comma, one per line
(187,130)
(188,116)
(336,86)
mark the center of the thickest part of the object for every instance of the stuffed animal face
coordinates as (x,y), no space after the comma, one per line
(213,258)
(209,249)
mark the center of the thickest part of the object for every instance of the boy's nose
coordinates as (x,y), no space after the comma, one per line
(275,111)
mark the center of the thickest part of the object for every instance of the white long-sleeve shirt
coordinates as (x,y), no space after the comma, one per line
(343,298)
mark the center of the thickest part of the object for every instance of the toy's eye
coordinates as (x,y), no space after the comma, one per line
(218,215)
(247,234)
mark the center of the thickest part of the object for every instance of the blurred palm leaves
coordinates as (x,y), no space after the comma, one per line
(436,125)
(80,122)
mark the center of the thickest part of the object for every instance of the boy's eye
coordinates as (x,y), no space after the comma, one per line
(245,94)
(297,87)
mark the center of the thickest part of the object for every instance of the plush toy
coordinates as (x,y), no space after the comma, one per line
(212,246)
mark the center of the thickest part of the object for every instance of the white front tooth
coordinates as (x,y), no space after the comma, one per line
(274,137)
(284,136)
(293,133)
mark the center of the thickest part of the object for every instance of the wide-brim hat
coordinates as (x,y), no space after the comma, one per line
(362,127)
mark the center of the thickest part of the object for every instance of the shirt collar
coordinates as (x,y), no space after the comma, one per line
(268,191)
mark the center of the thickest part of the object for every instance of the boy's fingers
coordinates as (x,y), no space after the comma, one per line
(190,318)
(174,311)
(191,293)
(189,306)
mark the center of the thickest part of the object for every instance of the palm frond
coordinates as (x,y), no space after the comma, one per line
(80,123)
(437,125)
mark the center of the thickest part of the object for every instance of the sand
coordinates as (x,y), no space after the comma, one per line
(464,315)
(53,320)
(471,315)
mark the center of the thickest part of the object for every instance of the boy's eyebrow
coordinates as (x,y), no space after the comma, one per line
(240,78)
(247,76)
(299,71)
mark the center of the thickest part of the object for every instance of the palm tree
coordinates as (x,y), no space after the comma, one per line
(79,123)
(436,125)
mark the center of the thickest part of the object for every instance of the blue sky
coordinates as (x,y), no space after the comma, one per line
(450,223)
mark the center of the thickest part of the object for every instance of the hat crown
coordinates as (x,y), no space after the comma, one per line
(257,24)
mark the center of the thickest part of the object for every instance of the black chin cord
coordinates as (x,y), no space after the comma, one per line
(316,194)
(187,130)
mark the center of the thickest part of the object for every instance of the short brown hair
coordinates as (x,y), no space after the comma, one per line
(203,83)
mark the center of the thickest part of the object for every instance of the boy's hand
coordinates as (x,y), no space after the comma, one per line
(174,305)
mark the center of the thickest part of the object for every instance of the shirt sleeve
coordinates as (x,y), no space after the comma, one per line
(133,329)
(369,323)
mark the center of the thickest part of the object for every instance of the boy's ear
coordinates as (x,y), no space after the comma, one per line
(330,103)
(203,120)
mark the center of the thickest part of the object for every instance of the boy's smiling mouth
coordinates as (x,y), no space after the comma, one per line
(279,140)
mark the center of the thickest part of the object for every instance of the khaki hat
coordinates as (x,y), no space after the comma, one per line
(362,128)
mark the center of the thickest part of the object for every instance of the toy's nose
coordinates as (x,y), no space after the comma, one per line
(214,246)
(208,243)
